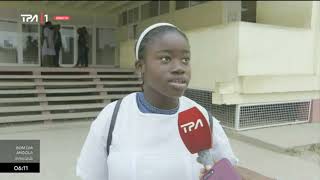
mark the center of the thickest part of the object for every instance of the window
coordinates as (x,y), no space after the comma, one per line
(248,11)
(145,11)
(105,46)
(132,31)
(136,14)
(135,31)
(154,8)
(187,4)
(193,3)
(123,18)
(129,16)
(133,15)
(30,39)
(182,4)
(148,10)
(8,42)
(67,50)
(120,19)
(164,7)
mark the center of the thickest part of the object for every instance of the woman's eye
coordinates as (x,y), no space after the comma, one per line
(185,60)
(165,59)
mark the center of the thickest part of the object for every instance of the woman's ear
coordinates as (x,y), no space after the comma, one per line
(140,66)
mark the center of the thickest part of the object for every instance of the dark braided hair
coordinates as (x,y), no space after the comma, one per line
(151,36)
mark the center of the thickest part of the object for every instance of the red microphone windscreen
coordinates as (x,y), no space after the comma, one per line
(194,130)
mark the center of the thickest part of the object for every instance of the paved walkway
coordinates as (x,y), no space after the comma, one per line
(300,140)
(282,138)
(61,144)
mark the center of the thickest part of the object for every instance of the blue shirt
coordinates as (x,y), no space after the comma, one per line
(145,107)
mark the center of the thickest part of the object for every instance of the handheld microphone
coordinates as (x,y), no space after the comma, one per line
(196,134)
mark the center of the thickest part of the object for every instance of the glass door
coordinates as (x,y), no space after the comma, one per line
(249,11)
(89,29)
(8,42)
(30,43)
(68,49)
(105,46)
(90,33)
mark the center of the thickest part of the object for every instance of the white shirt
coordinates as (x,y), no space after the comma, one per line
(48,49)
(145,146)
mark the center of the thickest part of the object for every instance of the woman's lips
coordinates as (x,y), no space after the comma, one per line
(178,81)
(178,84)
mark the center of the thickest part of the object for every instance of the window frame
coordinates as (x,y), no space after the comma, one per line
(39,44)
(189,4)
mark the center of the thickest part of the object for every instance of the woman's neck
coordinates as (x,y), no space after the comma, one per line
(159,100)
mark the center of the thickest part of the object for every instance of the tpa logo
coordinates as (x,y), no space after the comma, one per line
(30,18)
(190,126)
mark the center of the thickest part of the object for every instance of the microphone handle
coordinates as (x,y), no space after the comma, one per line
(205,158)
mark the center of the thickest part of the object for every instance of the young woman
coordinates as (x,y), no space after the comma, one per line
(146,143)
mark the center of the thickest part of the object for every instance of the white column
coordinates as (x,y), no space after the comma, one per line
(20,43)
(231,11)
(94,40)
(315,28)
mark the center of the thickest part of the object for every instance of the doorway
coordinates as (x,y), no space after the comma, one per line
(68,50)
(249,11)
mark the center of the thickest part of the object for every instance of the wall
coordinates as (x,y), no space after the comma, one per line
(315,111)
(272,84)
(285,13)
(259,89)
(127,58)
(239,98)
(274,50)
(213,55)
(315,25)
(202,15)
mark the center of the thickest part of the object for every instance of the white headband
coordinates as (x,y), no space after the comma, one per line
(146,31)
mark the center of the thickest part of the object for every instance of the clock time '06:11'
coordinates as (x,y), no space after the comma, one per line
(20,168)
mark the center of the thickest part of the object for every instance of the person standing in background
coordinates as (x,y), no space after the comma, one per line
(48,51)
(57,44)
(81,48)
(86,44)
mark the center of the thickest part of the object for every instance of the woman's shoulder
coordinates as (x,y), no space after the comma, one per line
(187,102)
(109,108)
(103,119)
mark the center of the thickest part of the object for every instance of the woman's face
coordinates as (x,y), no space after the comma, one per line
(166,66)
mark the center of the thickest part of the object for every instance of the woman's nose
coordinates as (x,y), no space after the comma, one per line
(178,67)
